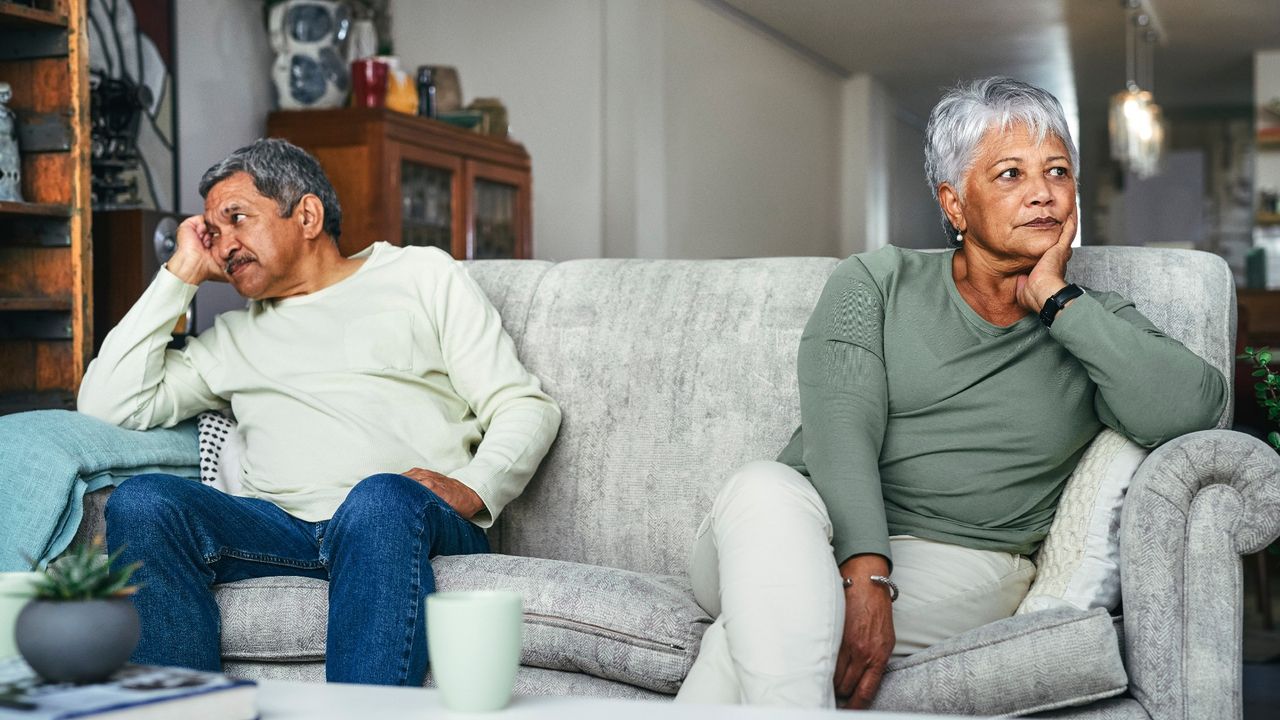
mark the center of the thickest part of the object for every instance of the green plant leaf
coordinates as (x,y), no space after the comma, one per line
(1264,357)
(1273,437)
(1260,372)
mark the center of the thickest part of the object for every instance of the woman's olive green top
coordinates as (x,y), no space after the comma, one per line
(920,418)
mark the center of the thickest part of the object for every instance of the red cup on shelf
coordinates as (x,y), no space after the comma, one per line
(369,83)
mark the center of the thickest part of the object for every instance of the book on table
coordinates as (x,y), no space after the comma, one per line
(135,692)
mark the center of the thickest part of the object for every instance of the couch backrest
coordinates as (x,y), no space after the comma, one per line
(672,373)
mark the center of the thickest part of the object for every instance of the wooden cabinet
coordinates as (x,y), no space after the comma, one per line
(46,315)
(414,181)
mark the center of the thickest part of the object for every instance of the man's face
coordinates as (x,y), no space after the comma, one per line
(256,248)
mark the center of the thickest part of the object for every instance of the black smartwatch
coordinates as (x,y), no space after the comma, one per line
(1058,301)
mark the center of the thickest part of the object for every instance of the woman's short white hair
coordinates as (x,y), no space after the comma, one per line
(965,114)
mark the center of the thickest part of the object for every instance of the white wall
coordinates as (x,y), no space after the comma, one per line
(544,61)
(656,129)
(866,117)
(751,132)
(224,95)
(914,219)
(224,87)
(1266,87)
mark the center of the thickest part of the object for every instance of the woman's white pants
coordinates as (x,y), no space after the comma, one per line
(763,566)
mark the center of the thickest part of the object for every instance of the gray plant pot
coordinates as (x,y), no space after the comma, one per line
(79,641)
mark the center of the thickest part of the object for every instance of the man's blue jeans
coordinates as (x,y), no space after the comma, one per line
(375,552)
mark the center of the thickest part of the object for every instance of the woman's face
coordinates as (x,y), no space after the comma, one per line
(1017,194)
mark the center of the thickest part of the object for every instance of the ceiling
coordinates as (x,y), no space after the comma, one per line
(1073,48)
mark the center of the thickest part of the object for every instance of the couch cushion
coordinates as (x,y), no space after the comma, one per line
(280,619)
(1023,664)
(1079,563)
(642,630)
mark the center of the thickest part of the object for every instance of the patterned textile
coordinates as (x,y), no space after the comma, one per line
(1023,664)
(612,624)
(1079,563)
(220,451)
(670,374)
(1121,708)
(529,680)
(1196,505)
(49,460)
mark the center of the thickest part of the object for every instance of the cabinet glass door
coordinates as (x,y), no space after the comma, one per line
(495,220)
(426,200)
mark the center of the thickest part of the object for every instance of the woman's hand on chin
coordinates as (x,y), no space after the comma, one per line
(1049,274)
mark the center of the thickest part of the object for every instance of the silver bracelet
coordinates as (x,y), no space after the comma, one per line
(881,580)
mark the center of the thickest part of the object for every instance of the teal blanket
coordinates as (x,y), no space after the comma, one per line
(50,458)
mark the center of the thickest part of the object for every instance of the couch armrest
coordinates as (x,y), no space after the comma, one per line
(1195,506)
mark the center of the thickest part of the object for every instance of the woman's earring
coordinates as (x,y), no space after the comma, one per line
(959,237)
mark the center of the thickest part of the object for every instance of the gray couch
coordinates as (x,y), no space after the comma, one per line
(672,373)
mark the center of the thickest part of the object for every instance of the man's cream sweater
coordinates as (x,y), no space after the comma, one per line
(403,364)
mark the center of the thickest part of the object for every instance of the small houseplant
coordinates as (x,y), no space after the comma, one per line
(80,625)
(1267,393)
(1267,389)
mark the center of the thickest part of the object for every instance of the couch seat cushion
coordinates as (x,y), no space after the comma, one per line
(643,630)
(1023,664)
(640,629)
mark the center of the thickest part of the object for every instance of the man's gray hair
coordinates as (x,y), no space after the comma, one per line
(965,114)
(283,172)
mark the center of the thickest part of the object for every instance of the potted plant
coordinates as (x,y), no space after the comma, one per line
(1267,389)
(80,625)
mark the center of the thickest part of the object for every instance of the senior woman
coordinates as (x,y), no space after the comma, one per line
(944,400)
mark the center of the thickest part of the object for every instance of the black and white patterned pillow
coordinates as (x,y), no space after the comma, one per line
(219,451)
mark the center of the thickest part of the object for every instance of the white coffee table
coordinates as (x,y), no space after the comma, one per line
(286,700)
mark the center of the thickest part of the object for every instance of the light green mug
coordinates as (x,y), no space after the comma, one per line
(473,640)
(16,588)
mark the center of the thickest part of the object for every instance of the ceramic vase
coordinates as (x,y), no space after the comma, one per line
(77,641)
(10,160)
(310,71)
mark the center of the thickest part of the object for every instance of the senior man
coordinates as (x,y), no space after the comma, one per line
(385,416)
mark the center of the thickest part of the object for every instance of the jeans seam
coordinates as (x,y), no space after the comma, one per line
(210,559)
(415,591)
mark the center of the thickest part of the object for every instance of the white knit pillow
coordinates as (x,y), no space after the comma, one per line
(1079,562)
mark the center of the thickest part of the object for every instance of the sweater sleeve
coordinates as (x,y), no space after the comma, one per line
(844,409)
(136,382)
(519,421)
(1151,388)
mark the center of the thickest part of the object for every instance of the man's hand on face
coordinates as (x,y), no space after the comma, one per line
(868,637)
(1049,274)
(194,260)
(461,498)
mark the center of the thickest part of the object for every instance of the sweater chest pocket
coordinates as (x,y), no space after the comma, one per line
(382,341)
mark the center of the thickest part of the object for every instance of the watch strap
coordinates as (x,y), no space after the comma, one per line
(1057,301)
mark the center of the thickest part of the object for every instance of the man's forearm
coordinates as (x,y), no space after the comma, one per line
(513,446)
(121,385)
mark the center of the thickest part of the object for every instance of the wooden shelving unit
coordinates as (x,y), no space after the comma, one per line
(1263,218)
(46,331)
(415,181)
(23,15)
